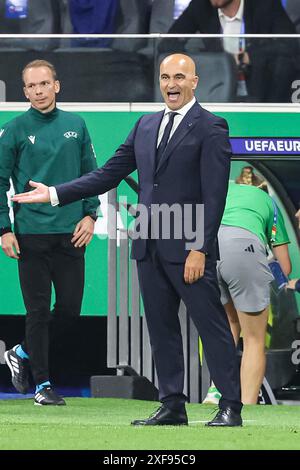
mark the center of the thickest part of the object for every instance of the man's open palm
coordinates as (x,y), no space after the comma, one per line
(38,195)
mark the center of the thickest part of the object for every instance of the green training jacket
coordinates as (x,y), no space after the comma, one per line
(50,148)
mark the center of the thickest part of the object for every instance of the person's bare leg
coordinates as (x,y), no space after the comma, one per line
(253,364)
(233,321)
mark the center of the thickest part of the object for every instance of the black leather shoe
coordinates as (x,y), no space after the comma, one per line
(226,417)
(164,416)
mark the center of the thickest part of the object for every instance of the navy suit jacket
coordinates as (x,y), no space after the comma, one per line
(193,170)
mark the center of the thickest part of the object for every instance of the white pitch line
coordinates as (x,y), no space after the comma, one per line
(206,421)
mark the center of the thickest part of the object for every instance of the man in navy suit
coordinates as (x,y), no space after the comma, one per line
(182,155)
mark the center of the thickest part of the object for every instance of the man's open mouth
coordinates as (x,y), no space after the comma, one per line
(173,95)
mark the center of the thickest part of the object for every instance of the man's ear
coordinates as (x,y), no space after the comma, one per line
(196,80)
(57,86)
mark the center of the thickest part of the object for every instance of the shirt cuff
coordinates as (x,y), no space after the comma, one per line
(4,230)
(53,196)
(93,215)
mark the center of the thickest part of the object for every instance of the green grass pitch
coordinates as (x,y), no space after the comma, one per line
(104,424)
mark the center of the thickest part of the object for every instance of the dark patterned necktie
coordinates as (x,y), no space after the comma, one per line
(164,141)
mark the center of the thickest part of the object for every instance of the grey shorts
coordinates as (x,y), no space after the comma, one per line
(243,272)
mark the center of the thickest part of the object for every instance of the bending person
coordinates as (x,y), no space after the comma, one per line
(251,221)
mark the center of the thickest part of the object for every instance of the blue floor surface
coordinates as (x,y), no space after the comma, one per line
(64,391)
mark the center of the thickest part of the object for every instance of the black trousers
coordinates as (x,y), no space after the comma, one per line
(47,260)
(162,286)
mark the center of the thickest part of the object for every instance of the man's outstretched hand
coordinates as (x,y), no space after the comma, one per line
(39,194)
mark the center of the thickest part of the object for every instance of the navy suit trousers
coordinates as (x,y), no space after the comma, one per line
(162,286)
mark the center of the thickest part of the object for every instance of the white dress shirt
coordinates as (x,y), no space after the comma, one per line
(177,120)
(233,25)
(53,196)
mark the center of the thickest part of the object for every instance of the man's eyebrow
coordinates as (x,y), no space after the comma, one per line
(179,74)
(37,83)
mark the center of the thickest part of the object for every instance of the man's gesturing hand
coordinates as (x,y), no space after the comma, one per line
(194,266)
(40,194)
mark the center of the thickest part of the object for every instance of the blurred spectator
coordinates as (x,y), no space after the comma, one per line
(110,17)
(164,12)
(292,8)
(93,17)
(33,17)
(132,17)
(163,15)
(267,67)
(9,23)
(248,176)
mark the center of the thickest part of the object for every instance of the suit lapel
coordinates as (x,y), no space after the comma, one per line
(186,125)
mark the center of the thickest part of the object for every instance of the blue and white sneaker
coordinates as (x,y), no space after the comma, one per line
(47,396)
(19,369)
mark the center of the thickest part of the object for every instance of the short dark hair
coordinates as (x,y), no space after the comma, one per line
(40,63)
